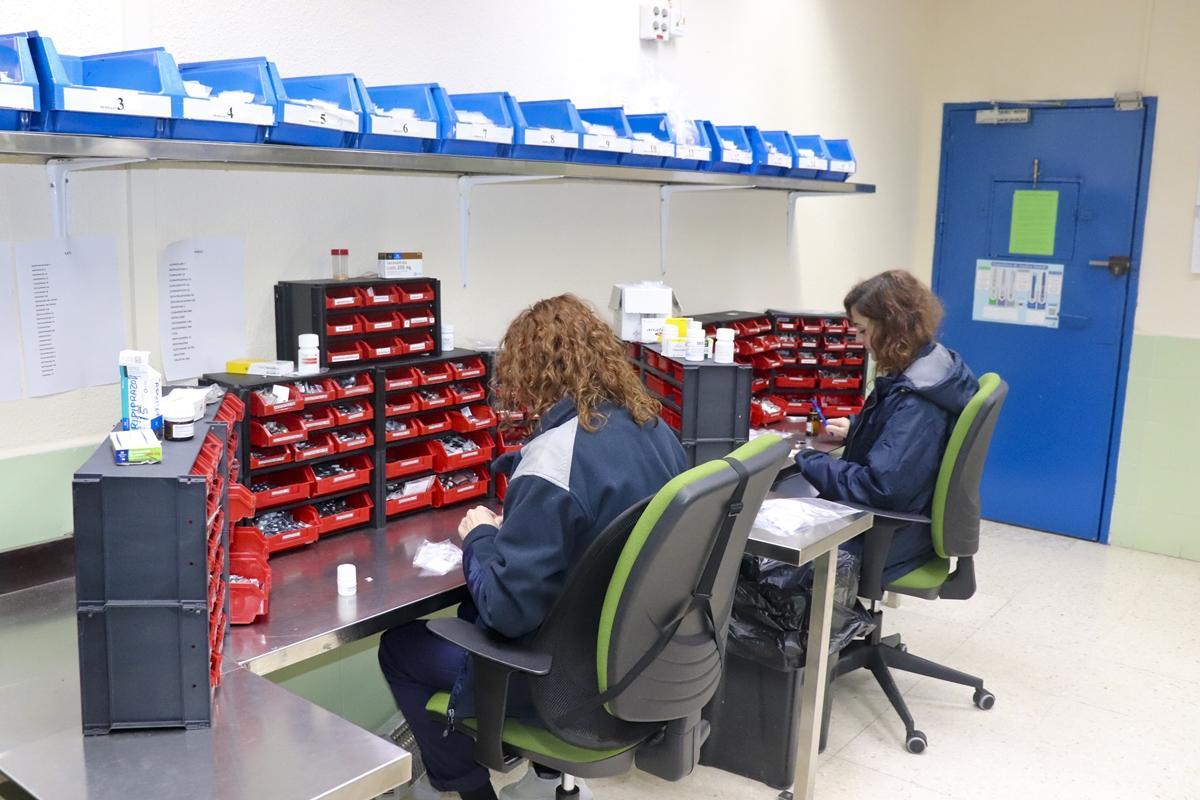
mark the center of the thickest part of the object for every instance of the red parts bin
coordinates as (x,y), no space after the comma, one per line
(344,352)
(363,439)
(353,412)
(347,325)
(403,403)
(241,502)
(327,392)
(468,368)
(343,298)
(436,422)
(414,293)
(410,320)
(412,502)
(410,459)
(413,343)
(363,386)
(483,417)
(359,514)
(429,399)
(270,457)
(359,474)
(317,419)
(319,445)
(435,373)
(463,393)
(401,378)
(247,602)
(287,486)
(380,321)
(795,379)
(444,497)
(446,462)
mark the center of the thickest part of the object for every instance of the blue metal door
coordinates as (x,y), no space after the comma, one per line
(1020,203)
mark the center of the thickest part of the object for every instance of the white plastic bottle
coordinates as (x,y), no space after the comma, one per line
(723,351)
(308,355)
(447,337)
(695,343)
(668,340)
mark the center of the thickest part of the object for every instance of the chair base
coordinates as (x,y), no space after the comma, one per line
(881,654)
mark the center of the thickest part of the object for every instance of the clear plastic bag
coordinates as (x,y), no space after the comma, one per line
(438,557)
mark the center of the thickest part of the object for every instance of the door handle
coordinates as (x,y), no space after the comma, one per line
(1119,266)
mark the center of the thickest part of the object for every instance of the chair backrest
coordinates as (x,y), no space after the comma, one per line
(637,576)
(955,512)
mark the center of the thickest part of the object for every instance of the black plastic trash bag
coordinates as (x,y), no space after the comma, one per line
(769,624)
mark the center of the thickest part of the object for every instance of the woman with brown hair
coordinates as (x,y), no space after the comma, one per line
(598,450)
(894,447)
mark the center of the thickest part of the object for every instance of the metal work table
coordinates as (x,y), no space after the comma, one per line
(265,741)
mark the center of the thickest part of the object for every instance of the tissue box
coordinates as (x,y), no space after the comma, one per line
(631,302)
(135,447)
(141,392)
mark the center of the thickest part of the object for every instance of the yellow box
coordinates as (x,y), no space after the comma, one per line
(680,324)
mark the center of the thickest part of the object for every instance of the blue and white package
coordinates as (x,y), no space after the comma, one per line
(141,392)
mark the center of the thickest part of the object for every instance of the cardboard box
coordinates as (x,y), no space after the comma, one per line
(401,265)
(631,302)
(138,446)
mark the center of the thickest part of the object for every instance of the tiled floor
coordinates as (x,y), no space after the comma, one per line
(1094,656)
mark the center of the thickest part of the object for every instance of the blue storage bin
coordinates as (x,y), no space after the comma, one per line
(606,136)
(841,160)
(731,149)
(333,118)
(812,157)
(774,153)
(653,140)
(693,149)
(546,130)
(242,104)
(402,118)
(19,98)
(132,93)
(478,124)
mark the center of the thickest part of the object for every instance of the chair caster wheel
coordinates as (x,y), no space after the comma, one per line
(916,743)
(984,699)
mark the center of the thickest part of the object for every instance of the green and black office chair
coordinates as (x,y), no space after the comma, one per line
(954,523)
(634,647)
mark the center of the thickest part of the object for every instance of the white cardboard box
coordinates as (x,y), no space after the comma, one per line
(631,302)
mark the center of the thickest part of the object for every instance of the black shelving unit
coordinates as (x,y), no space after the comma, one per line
(244,387)
(707,404)
(847,362)
(151,576)
(311,307)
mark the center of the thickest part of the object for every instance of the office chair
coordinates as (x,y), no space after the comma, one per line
(954,525)
(634,646)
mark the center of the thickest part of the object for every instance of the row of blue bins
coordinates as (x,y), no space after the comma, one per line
(144,93)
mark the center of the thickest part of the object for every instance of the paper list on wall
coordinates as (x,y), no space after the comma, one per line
(1017,293)
(10,347)
(202,310)
(72,322)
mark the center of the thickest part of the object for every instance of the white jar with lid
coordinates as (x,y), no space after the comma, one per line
(179,419)
(447,337)
(308,355)
(695,343)
(723,351)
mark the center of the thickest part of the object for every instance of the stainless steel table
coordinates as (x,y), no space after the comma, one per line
(818,545)
(265,742)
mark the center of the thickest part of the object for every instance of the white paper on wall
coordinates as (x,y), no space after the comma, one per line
(72,320)
(201,305)
(10,347)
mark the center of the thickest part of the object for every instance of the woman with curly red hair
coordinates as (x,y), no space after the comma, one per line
(599,448)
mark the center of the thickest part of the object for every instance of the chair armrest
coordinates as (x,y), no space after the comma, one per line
(479,642)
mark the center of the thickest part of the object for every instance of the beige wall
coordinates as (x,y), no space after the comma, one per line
(980,50)
(819,66)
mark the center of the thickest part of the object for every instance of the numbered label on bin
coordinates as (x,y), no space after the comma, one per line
(807,159)
(15,95)
(103,100)
(602,141)
(395,126)
(843,166)
(693,152)
(646,147)
(478,132)
(779,159)
(549,137)
(734,156)
(334,118)
(214,110)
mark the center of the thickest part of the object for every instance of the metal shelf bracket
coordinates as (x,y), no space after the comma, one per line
(465,184)
(59,172)
(665,193)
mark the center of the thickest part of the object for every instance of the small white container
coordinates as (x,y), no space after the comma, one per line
(723,350)
(447,337)
(695,343)
(347,580)
(308,355)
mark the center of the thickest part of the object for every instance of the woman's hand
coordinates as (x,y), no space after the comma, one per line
(838,429)
(479,515)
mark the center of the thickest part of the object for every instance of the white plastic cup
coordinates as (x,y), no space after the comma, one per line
(347,580)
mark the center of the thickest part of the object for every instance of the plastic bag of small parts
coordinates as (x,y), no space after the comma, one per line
(769,623)
(438,557)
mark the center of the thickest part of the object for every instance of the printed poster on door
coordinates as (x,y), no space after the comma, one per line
(1017,293)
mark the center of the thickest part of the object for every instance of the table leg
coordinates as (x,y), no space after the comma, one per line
(812,700)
